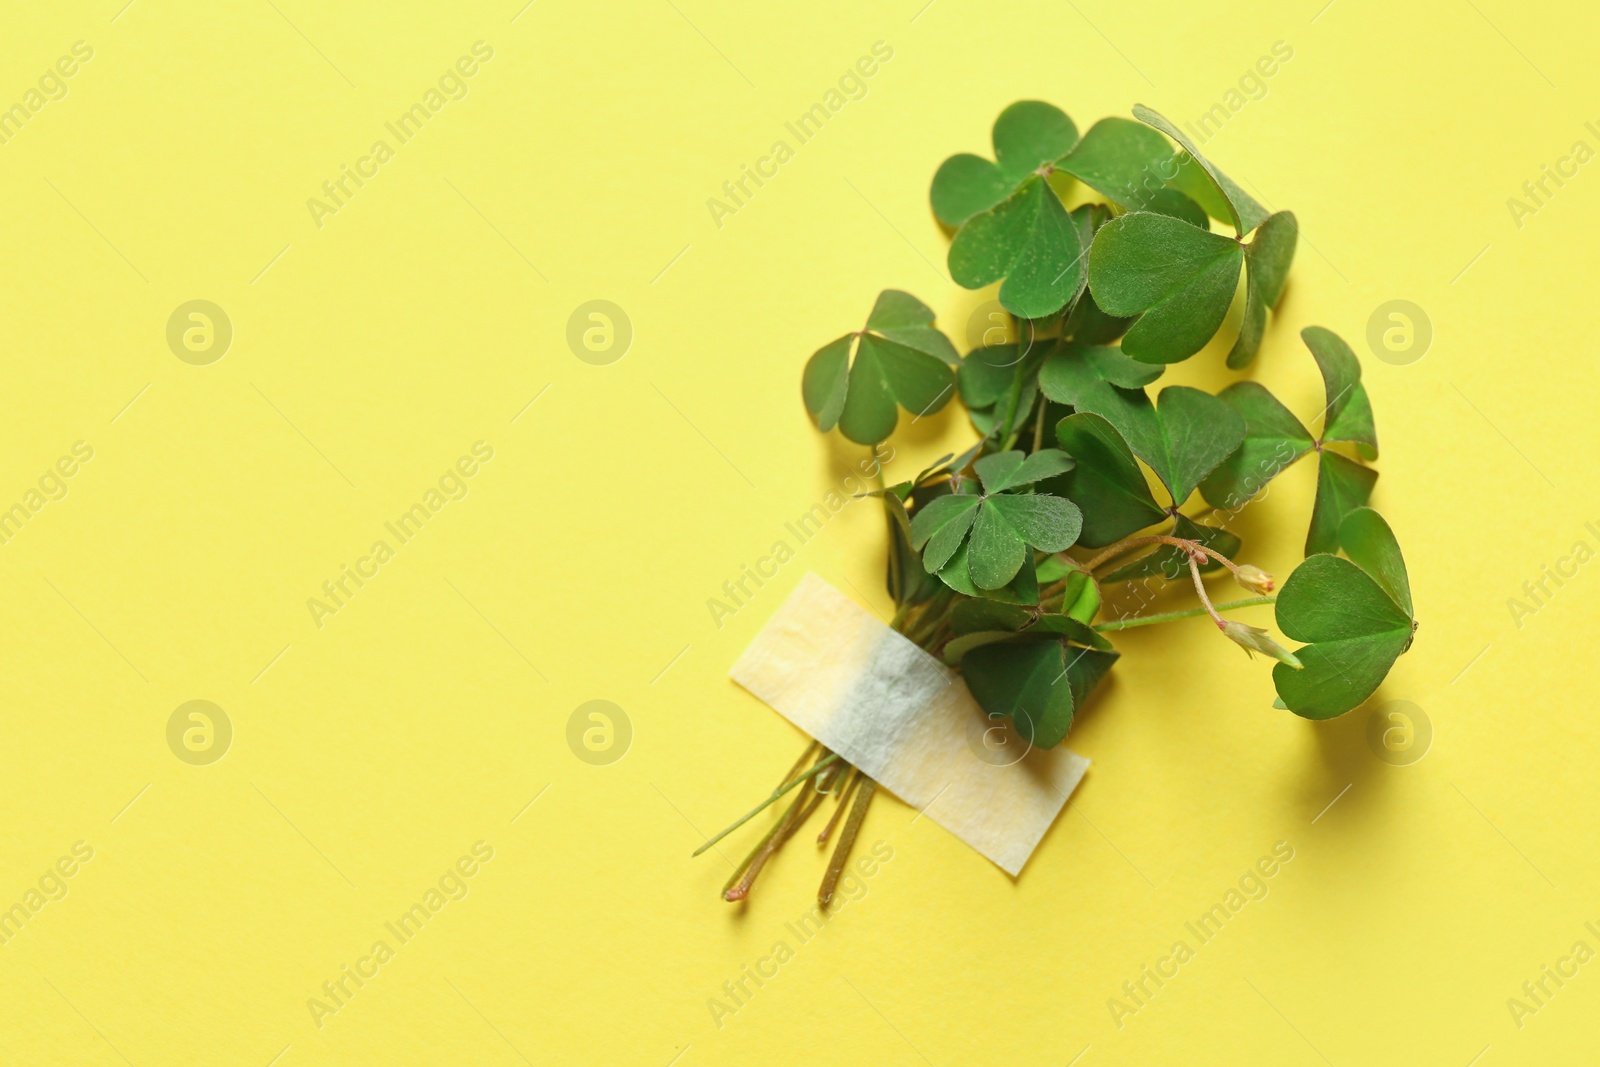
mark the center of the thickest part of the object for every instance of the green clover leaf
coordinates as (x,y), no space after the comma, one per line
(1348,413)
(1123,159)
(1266,261)
(1343,485)
(1183,441)
(1178,278)
(1367,539)
(1131,164)
(1241,209)
(1273,439)
(1354,614)
(903,318)
(1069,367)
(1038,683)
(978,616)
(1009,470)
(1107,485)
(1011,222)
(1028,135)
(900,359)
(1082,320)
(1023,589)
(1002,525)
(1030,241)
(940,527)
(1192,181)
(1008,525)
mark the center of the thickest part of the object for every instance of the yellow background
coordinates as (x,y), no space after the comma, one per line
(368,354)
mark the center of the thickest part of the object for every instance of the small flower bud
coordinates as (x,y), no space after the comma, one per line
(1254,639)
(1255,579)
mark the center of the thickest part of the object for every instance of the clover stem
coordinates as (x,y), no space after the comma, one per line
(1059,587)
(1200,590)
(907,622)
(919,629)
(1220,558)
(755,851)
(799,811)
(1120,548)
(841,851)
(777,794)
(801,762)
(1186,613)
(925,624)
(1152,539)
(826,783)
(1008,435)
(843,805)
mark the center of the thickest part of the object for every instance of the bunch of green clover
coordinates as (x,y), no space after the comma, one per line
(1104,296)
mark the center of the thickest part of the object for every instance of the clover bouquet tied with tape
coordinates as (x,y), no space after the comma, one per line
(999,558)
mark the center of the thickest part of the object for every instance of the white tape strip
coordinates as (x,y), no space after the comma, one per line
(837,672)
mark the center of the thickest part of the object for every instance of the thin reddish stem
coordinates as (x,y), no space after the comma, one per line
(1162,539)
(1200,590)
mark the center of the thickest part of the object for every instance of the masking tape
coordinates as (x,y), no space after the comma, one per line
(867,692)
